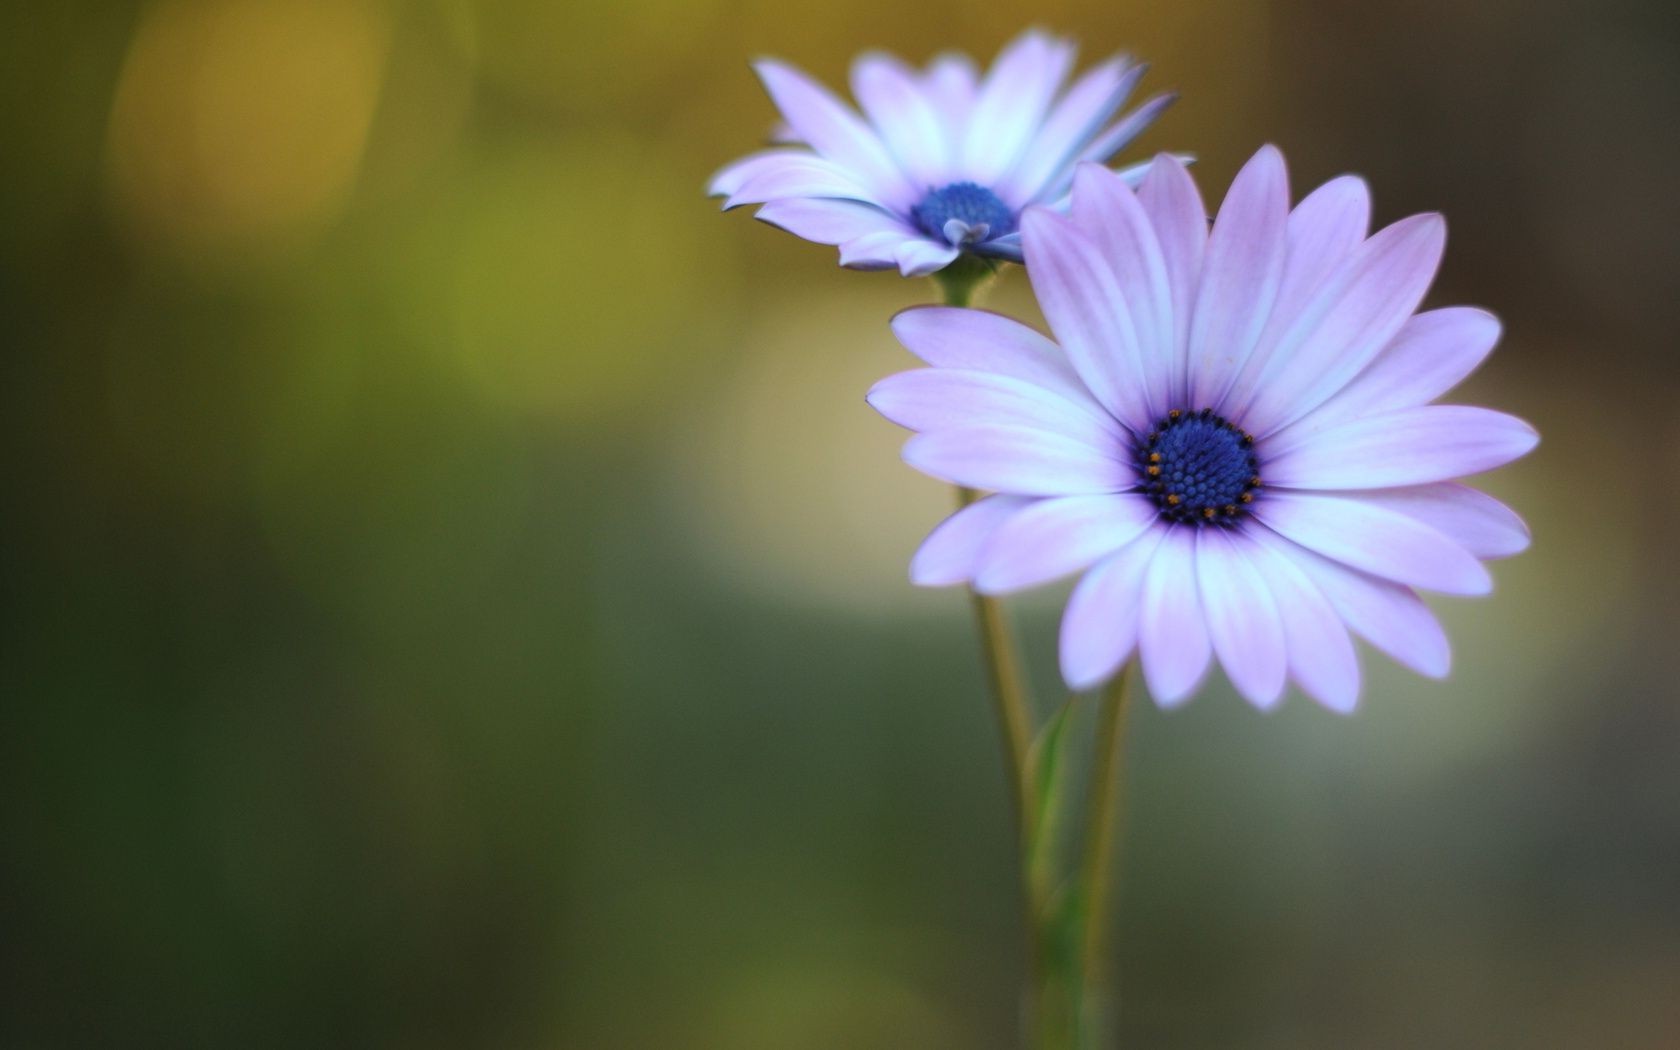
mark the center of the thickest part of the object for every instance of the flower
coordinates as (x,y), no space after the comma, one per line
(945,161)
(1232,435)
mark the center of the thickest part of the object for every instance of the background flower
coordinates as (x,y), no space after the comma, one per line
(943,161)
(1233,435)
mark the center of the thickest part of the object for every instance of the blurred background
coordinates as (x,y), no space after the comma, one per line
(454,591)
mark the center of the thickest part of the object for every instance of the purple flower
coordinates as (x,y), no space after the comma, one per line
(1232,435)
(943,161)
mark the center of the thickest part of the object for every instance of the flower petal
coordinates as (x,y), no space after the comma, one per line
(1242,618)
(1017,459)
(1121,230)
(1058,537)
(1174,206)
(1321,655)
(1173,638)
(1481,524)
(929,399)
(1374,539)
(829,221)
(808,176)
(908,121)
(1100,624)
(1080,297)
(1432,353)
(1388,615)
(731,177)
(1074,121)
(1012,103)
(1129,127)
(957,337)
(949,553)
(918,257)
(834,130)
(1348,323)
(1240,277)
(1409,446)
(874,251)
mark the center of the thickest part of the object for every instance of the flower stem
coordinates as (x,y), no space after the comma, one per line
(1102,820)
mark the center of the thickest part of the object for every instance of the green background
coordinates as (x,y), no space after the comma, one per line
(454,592)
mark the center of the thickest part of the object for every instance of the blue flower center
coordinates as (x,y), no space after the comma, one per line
(969,203)
(1198,468)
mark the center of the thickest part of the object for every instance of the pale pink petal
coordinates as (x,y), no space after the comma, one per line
(830,221)
(1242,619)
(907,119)
(1348,323)
(957,337)
(834,130)
(1058,537)
(919,257)
(1076,118)
(1173,639)
(950,552)
(1012,102)
(1018,459)
(1374,539)
(1324,231)
(1174,206)
(1388,615)
(947,399)
(1409,446)
(1081,299)
(1481,524)
(1103,615)
(1432,353)
(1321,655)
(1121,230)
(874,251)
(1240,277)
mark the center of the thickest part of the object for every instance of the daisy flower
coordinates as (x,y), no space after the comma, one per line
(942,161)
(1231,435)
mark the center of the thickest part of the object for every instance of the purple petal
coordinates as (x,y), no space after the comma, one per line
(1432,353)
(1058,537)
(835,131)
(1240,276)
(1100,625)
(731,177)
(918,258)
(1321,655)
(800,177)
(951,399)
(1481,524)
(1348,323)
(1242,619)
(950,552)
(955,337)
(1387,615)
(1012,102)
(952,82)
(1410,446)
(1121,230)
(1081,299)
(1174,206)
(829,221)
(1374,539)
(1324,231)
(1017,459)
(1173,638)
(1076,119)
(906,118)
(874,251)
(1128,128)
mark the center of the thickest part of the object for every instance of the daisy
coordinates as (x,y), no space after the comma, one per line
(942,161)
(1231,437)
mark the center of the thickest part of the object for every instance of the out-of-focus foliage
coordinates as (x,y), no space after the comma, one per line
(454,592)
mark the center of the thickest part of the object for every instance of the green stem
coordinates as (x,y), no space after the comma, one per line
(1102,820)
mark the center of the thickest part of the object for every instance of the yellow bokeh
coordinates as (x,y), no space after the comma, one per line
(238,125)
